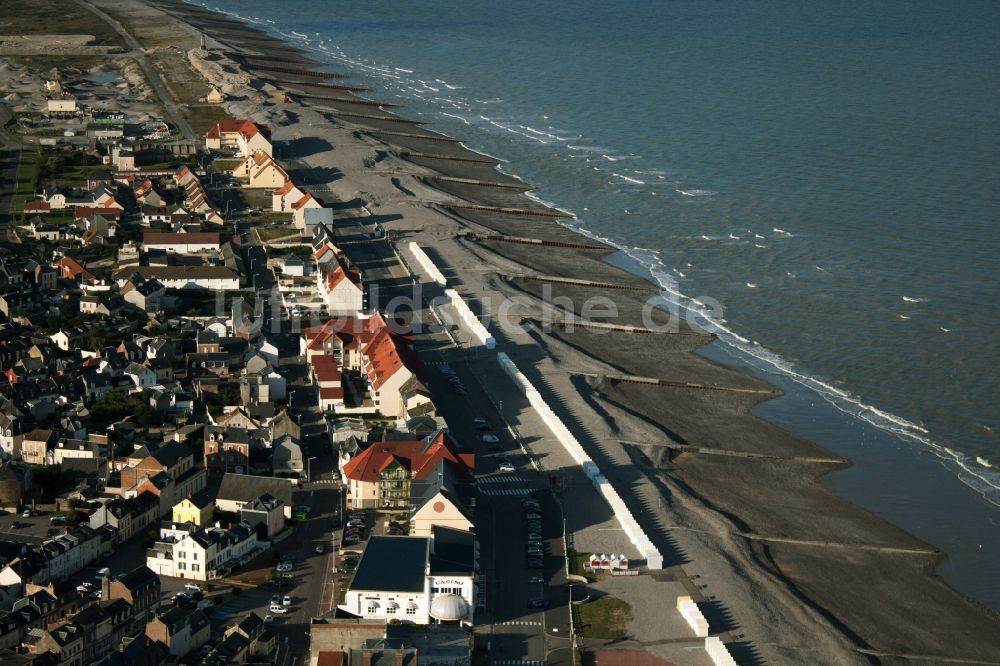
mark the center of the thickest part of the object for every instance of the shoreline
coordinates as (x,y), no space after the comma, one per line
(694,474)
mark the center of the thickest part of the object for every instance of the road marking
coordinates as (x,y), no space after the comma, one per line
(501,478)
(510,492)
(520,623)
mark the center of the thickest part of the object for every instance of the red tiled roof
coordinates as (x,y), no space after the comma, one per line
(345,328)
(236,126)
(325,367)
(418,457)
(71,269)
(335,277)
(86,211)
(331,393)
(37,207)
(285,189)
(303,201)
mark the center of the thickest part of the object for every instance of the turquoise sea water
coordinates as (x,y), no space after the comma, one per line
(827,172)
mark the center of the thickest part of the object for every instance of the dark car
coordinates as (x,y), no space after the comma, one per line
(538,603)
(534,563)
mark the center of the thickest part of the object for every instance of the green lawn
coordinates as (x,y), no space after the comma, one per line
(270,233)
(27,176)
(606,618)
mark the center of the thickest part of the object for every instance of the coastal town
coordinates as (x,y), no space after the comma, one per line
(258,405)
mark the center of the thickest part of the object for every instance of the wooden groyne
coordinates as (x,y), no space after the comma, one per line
(407,154)
(520,187)
(294,71)
(411,135)
(623,328)
(520,212)
(353,100)
(652,381)
(332,86)
(534,241)
(729,453)
(837,544)
(387,119)
(585,283)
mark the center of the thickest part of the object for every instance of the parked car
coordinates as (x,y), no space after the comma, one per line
(286,601)
(534,563)
(284,566)
(536,580)
(268,618)
(320,549)
(489,438)
(277,608)
(275,599)
(479,420)
(533,516)
(533,536)
(193,587)
(506,466)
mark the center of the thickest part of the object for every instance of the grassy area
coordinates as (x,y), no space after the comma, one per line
(270,233)
(186,85)
(576,561)
(55,17)
(606,618)
(27,177)
(266,218)
(225,165)
(203,116)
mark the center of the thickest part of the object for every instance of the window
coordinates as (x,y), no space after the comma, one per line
(410,610)
(194,556)
(195,567)
(391,610)
(372,608)
(182,566)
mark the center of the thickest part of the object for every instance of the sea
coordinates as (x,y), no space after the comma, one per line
(815,182)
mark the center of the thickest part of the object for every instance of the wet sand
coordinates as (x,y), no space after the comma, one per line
(803,576)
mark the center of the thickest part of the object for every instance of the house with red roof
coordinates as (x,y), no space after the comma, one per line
(380,476)
(343,290)
(71,269)
(261,171)
(244,136)
(325,373)
(283,197)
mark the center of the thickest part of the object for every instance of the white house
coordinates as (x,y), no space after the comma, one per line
(262,171)
(283,197)
(343,290)
(404,579)
(201,554)
(216,278)
(141,375)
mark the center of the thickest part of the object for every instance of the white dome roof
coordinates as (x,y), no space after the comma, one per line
(449,607)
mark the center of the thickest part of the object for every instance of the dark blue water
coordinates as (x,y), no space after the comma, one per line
(819,180)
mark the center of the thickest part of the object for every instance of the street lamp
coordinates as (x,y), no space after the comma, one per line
(309,468)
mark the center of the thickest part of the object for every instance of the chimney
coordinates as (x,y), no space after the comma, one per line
(397,658)
(105,588)
(366,658)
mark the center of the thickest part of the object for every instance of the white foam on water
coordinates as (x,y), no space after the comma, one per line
(781,231)
(912,300)
(904,317)
(751,285)
(627,179)
(695,193)
(452,115)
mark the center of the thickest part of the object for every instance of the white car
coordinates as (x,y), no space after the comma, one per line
(268,619)
(287,601)
(284,566)
(506,466)
(278,609)
(193,587)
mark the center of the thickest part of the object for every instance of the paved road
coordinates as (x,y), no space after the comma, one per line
(152,76)
(508,628)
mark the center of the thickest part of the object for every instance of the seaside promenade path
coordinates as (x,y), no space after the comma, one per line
(138,54)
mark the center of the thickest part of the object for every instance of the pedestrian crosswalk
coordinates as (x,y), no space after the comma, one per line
(518,623)
(509,492)
(501,478)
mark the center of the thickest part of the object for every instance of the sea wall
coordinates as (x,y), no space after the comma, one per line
(717,652)
(427,265)
(692,615)
(654,560)
(470,319)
